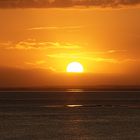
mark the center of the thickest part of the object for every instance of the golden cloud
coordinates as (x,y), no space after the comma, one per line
(65,3)
(34,45)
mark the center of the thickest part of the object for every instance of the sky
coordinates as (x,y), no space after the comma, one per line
(39,38)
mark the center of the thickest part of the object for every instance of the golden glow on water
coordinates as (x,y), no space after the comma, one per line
(74,106)
(75,90)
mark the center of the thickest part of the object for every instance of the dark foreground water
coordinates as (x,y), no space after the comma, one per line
(74,115)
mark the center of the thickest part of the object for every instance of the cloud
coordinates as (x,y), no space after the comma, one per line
(90,56)
(107,52)
(56,28)
(35,45)
(65,3)
(39,62)
(4,44)
(81,56)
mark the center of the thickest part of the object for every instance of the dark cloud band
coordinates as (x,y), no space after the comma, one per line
(65,3)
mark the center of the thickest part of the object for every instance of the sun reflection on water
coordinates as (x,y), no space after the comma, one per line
(75,90)
(74,105)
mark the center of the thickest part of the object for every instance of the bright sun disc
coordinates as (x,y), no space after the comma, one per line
(75,67)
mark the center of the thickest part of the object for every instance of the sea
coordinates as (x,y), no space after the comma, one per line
(71,114)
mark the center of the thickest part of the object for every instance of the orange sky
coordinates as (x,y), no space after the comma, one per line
(105,41)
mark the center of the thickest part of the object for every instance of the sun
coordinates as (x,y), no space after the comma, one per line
(75,67)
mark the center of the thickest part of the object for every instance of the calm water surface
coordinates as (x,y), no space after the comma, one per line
(70,115)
